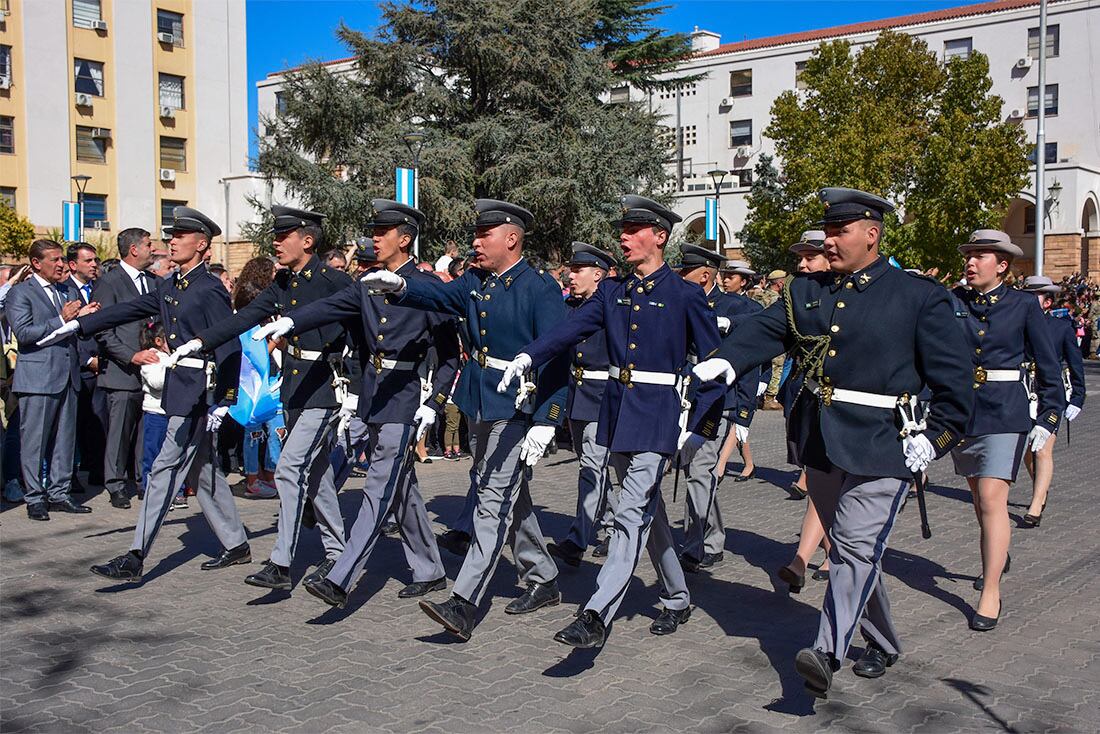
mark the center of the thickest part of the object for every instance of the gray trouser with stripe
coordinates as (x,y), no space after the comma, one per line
(304,472)
(640,520)
(185,458)
(391,483)
(464,523)
(503,513)
(47,433)
(705,532)
(359,442)
(858,514)
(595,498)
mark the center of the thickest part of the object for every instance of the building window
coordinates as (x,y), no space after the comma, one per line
(88,77)
(1050,100)
(166,207)
(799,70)
(740,133)
(169,22)
(86,12)
(621,94)
(741,83)
(95,209)
(958,48)
(7,134)
(685,90)
(1029,219)
(171,91)
(5,62)
(173,153)
(7,196)
(743,176)
(690,135)
(89,147)
(1053,41)
(1050,156)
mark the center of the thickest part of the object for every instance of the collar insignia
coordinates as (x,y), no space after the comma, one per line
(864,279)
(307,274)
(994,299)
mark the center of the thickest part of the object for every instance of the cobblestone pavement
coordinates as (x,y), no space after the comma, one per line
(200,651)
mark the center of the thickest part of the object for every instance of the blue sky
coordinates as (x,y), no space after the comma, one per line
(284,33)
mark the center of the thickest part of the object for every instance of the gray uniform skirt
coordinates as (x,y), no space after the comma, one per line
(995,455)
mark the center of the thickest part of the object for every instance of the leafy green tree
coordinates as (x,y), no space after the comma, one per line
(16,232)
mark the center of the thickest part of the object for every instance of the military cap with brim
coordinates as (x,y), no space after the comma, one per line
(586,254)
(185,219)
(777,275)
(491,212)
(288,219)
(849,205)
(993,240)
(389,213)
(740,267)
(694,256)
(640,210)
(812,240)
(364,250)
(1041,284)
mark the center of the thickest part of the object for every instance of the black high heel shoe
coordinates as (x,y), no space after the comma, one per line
(979,583)
(794,581)
(1032,521)
(981,623)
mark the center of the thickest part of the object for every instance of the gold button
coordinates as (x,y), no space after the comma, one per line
(294,371)
(380,337)
(578,383)
(633,327)
(293,338)
(640,289)
(579,355)
(382,320)
(173,319)
(633,345)
(976,386)
(849,285)
(841,304)
(630,385)
(483,332)
(637,307)
(293,301)
(630,366)
(485,349)
(981,332)
(832,352)
(171,336)
(488,297)
(834,328)
(981,318)
(493,284)
(826,380)
(483,314)
(294,284)
(978,350)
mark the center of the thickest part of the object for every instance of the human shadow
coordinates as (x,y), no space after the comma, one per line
(922,574)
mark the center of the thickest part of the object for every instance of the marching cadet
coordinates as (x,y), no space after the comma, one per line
(1062,336)
(185,303)
(845,421)
(506,303)
(705,535)
(736,276)
(1003,329)
(396,346)
(652,319)
(308,391)
(595,501)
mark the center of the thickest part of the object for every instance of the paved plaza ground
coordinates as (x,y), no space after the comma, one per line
(190,651)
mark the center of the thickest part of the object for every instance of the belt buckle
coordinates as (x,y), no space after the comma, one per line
(827,394)
(980,375)
(377,362)
(295,352)
(624,375)
(578,373)
(481,359)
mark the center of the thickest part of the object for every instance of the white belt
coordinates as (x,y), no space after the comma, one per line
(392,364)
(579,373)
(983,375)
(626,375)
(830,394)
(306,355)
(486,361)
(192,362)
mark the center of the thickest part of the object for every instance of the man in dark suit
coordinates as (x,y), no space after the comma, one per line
(91,405)
(122,357)
(46,379)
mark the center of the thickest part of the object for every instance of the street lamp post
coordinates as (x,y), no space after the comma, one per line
(414,141)
(81,182)
(717,176)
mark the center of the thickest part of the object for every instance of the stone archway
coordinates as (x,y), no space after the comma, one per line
(697,224)
(1090,238)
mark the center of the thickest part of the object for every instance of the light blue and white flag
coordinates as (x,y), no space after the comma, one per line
(406,186)
(711,211)
(70,217)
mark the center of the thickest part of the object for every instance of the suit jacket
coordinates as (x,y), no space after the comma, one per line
(32,315)
(119,344)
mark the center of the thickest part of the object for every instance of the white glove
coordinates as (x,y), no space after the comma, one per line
(515,369)
(215,417)
(1072,411)
(58,334)
(1037,439)
(742,433)
(424,419)
(280,327)
(384,281)
(688,445)
(918,452)
(187,349)
(724,325)
(535,443)
(761,388)
(714,369)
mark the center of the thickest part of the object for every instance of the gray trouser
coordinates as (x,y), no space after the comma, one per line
(639,520)
(503,513)
(391,482)
(185,457)
(341,462)
(47,432)
(464,523)
(123,421)
(858,514)
(705,532)
(595,498)
(304,472)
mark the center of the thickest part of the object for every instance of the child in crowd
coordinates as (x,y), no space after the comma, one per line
(154,421)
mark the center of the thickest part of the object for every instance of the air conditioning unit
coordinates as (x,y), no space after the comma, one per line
(167,174)
(726,102)
(101,224)
(83,100)
(5,82)
(101,133)
(166,38)
(1024,63)
(1016,114)
(168,112)
(99,25)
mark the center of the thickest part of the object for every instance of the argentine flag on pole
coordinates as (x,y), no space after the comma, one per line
(408,193)
(711,211)
(70,217)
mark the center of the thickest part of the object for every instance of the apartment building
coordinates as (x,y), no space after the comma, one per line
(148,98)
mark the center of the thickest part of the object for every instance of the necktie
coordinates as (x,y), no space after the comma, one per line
(87,290)
(142,288)
(56,297)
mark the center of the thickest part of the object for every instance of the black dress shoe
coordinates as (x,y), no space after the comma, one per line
(456,615)
(874,661)
(271,576)
(711,559)
(600,551)
(38,511)
(566,551)
(327,592)
(981,623)
(230,557)
(126,567)
(537,596)
(67,505)
(979,583)
(455,541)
(820,575)
(119,500)
(745,477)
(321,571)
(390,528)
(669,620)
(420,588)
(794,581)
(690,564)
(586,631)
(816,669)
